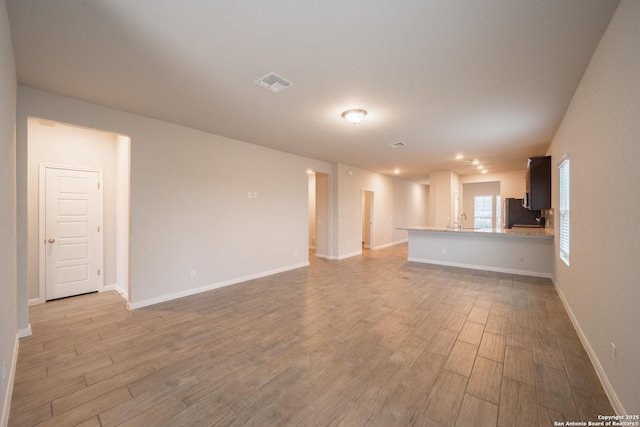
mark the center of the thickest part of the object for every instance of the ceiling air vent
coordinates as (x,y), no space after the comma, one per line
(273,82)
(396,144)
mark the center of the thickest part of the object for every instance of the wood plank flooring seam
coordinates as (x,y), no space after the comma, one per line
(372,340)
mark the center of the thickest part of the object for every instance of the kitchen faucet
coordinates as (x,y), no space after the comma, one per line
(463,216)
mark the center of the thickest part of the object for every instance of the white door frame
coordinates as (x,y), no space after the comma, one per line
(42,221)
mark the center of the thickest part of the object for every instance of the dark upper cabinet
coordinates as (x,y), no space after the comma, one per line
(538,176)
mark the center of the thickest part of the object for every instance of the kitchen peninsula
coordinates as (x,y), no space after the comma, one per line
(525,251)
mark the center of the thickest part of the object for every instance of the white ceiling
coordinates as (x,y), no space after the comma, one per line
(487,78)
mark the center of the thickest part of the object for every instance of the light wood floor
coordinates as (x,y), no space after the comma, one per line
(367,341)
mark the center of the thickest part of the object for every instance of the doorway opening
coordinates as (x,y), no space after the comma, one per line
(319,214)
(75,157)
(367,219)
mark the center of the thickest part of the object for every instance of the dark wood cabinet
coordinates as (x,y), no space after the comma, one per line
(538,176)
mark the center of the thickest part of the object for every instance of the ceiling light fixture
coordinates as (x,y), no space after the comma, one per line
(475,161)
(460,157)
(480,167)
(396,171)
(354,116)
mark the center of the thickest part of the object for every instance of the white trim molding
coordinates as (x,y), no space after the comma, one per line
(388,245)
(26,332)
(6,401)
(193,291)
(482,267)
(606,384)
(123,292)
(35,301)
(349,255)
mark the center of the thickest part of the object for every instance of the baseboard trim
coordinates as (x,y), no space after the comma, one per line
(26,332)
(349,255)
(604,380)
(188,292)
(123,293)
(6,402)
(35,301)
(388,245)
(482,267)
(115,287)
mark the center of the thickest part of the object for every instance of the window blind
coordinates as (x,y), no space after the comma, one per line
(564,210)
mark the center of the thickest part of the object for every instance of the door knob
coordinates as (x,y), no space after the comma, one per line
(52,240)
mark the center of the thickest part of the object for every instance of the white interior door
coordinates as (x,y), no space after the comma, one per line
(72,232)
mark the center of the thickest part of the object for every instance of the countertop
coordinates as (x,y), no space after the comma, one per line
(532,232)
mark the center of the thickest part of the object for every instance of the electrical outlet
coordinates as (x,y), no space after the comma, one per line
(193,274)
(613,353)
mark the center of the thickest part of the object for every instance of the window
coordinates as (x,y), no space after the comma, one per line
(564,209)
(483,212)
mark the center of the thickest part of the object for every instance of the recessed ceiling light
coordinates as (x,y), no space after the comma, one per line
(396,171)
(354,116)
(460,157)
(475,161)
(484,171)
(480,167)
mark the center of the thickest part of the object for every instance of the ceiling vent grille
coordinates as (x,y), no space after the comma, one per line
(396,144)
(273,82)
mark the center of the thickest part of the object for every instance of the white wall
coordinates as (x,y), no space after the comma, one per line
(507,253)
(410,206)
(456,196)
(123,219)
(470,191)
(189,200)
(65,145)
(512,184)
(442,186)
(8,325)
(601,133)
(391,196)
